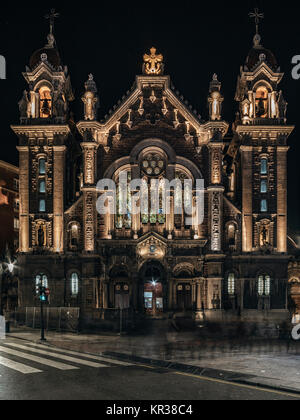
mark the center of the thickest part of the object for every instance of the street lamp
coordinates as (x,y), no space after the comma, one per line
(11,267)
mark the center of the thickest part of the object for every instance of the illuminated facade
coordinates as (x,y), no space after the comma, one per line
(234,266)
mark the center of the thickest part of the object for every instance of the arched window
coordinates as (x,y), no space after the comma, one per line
(153,188)
(42,206)
(74,284)
(42,166)
(74,234)
(183,199)
(261,102)
(231,286)
(264,166)
(231,234)
(45,102)
(264,206)
(264,186)
(124,201)
(41,280)
(264,285)
(42,186)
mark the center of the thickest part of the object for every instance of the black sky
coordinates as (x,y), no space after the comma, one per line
(109,38)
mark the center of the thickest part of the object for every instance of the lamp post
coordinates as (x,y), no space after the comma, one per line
(5,267)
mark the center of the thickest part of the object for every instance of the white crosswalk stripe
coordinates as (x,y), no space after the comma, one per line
(57,356)
(87,356)
(19,367)
(39,360)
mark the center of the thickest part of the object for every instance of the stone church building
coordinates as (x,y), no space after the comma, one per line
(234,266)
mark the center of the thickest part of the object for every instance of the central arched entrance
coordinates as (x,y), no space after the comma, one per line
(153,296)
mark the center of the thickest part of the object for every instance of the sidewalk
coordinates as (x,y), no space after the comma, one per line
(269,364)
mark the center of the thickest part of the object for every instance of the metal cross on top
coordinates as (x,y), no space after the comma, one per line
(258,17)
(52,16)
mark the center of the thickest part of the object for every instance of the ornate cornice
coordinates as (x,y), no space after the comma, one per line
(42,131)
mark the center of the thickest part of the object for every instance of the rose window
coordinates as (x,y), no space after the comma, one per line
(153,165)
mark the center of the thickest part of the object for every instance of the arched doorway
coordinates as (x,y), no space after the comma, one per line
(184,296)
(153,291)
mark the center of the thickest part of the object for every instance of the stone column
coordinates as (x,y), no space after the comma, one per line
(282,199)
(58,197)
(247,179)
(89,194)
(89,212)
(216,192)
(24,198)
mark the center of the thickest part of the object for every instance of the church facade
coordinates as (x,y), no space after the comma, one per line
(232,266)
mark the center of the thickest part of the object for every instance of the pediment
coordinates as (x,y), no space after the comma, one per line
(151,100)
(152,246)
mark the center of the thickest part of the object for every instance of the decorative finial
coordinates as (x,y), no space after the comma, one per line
(153,63)
(257,16)
(51,17)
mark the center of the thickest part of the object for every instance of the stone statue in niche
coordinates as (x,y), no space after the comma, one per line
(264,237)
(59,105)
(215,99)
(90,100)
(24,106)
(41,236)
(282,106)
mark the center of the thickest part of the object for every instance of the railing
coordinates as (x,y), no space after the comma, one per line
(57,319)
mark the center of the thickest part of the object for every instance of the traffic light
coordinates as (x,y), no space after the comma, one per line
(43,293)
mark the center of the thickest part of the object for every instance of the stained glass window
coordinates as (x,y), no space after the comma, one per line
(231,284)
(264,285)
(183,199)
(74,284)
(124,205)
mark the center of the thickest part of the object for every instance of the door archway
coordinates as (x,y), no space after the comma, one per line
(153,289)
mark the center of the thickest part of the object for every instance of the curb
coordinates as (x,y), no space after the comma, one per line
(228,376)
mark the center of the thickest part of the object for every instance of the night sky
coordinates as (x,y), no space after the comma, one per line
(110,38)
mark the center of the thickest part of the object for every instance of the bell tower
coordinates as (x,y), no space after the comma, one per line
(261,126)
(44,135)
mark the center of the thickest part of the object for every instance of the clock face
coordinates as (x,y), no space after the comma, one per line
(152,249)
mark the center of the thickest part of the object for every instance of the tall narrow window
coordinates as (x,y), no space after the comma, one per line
(124,203)
(264,166)
(264,206)
(42,167)
(231,284)
(42,187)
(45,102)
(264,285)
(264,186)
(41,280)
(74,284)
(261,102)
(42,206)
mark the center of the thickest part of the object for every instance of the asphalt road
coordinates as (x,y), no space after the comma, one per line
(29,372)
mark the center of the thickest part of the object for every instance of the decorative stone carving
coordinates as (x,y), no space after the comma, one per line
(215,100)
(24,106)
(153,63)
(216,222)
(90,100)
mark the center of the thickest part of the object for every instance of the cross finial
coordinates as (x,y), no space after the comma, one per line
(51,17)
(257,16)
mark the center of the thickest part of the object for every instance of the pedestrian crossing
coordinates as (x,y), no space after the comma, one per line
(50,357)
